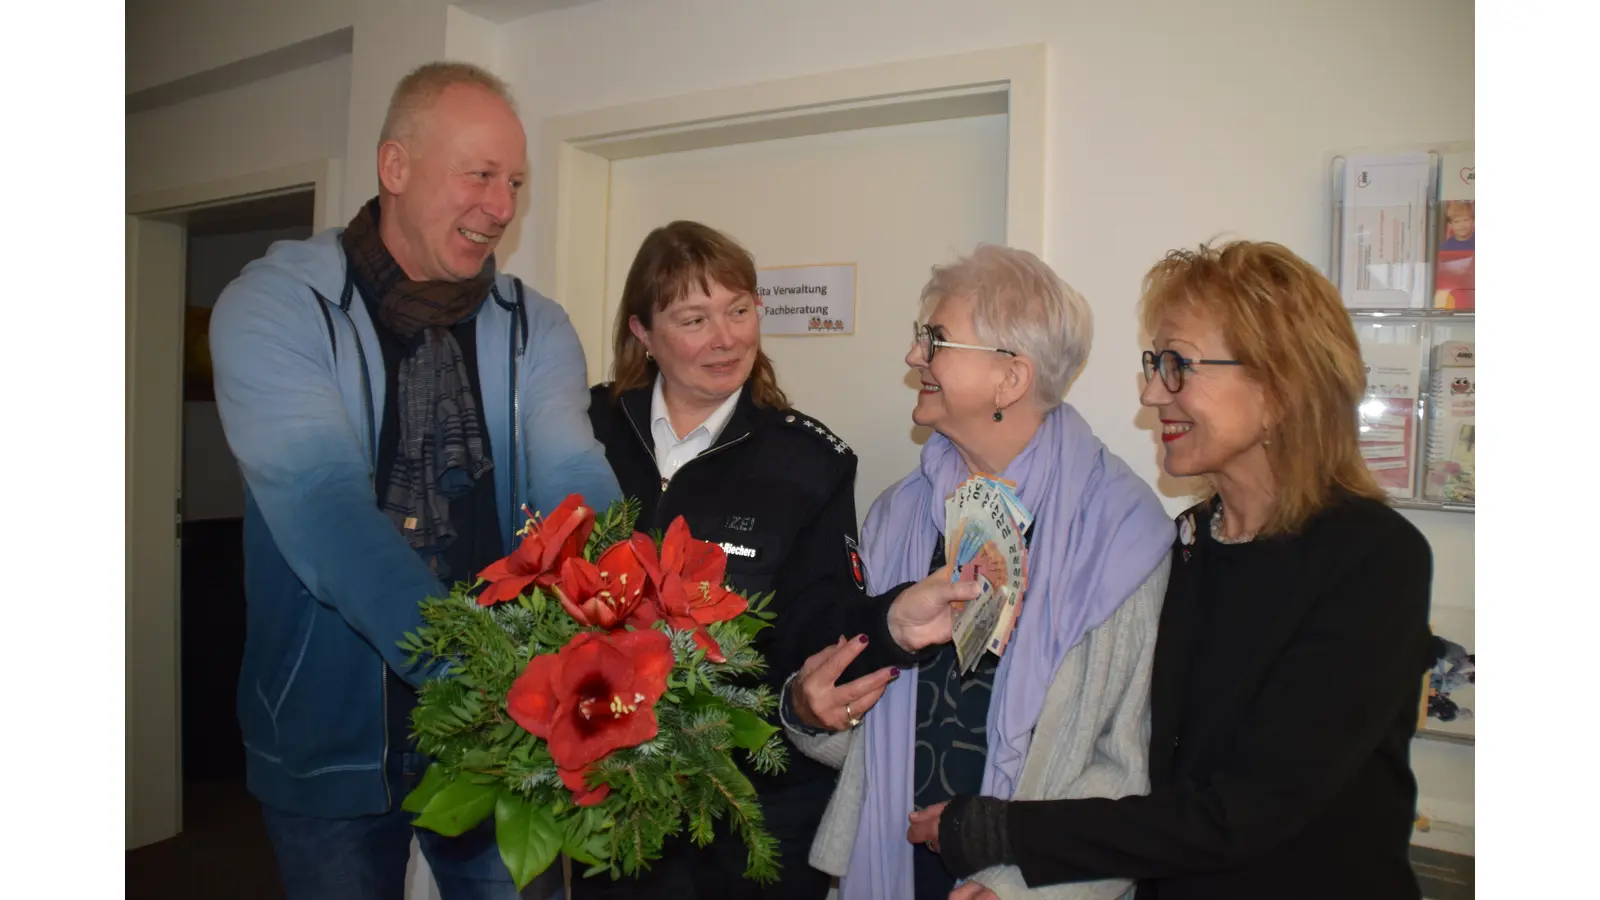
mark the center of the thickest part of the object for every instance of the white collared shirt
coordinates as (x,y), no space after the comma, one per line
(672,451)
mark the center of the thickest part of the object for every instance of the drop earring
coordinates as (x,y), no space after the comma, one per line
(998,415)
(648,357)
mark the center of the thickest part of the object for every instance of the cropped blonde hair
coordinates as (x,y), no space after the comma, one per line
(418,91)
(1285,322)
(1020,304)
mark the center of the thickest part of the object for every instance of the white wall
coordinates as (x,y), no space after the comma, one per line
(1171,121)
(296,117)
(173,39)
(170,40)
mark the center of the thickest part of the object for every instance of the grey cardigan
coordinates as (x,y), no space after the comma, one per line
(1092,740)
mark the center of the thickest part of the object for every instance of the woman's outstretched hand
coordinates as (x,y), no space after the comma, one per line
(821,702)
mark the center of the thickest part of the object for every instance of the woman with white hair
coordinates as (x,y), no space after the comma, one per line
(1062,712)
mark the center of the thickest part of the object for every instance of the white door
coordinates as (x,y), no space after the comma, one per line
(894,200)
(155,262)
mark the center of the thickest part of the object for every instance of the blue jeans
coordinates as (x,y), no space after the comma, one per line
(365,858)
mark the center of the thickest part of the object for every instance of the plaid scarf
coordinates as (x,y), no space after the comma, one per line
(440,455)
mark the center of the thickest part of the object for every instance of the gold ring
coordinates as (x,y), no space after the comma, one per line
(851,716)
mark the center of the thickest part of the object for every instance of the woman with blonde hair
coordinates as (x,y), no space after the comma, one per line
(1289,663)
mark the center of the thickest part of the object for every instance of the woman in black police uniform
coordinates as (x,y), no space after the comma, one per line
(694,425)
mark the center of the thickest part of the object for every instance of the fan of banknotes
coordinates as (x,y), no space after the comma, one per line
(984,527)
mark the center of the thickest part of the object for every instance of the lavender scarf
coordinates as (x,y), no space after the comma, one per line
(1099,532)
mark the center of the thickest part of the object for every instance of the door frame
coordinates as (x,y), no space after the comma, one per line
(571,208)
(157,234)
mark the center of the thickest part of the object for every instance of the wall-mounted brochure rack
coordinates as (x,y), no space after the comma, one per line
(1403,258)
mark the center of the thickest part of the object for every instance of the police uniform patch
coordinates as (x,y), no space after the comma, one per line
(858,569)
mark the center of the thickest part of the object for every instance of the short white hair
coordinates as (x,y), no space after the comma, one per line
(417,92)
(1022,305)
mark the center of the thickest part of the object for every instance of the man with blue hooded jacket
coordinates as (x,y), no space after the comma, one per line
(393,402)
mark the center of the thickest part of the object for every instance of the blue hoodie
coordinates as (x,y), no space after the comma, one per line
(330,584)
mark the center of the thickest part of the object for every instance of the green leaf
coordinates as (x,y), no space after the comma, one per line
(586,852)
(457,807)
(750,731)
(750,625)
(596,869)
(432,780)
(528,836)
(701,701)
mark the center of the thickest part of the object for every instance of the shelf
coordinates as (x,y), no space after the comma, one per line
(1434,505)
(1363,313)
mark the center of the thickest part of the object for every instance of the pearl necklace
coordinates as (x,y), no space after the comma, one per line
(1217,535)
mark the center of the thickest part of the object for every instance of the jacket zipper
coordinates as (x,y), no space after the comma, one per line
(660,505)
(516,426)
(372,465)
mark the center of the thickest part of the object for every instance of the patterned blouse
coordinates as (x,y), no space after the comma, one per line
(952,740)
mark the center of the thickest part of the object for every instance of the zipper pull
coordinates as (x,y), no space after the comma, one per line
(663,485)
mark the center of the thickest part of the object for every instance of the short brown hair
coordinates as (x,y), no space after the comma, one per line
(1286,323)
(417,92)
(673,259)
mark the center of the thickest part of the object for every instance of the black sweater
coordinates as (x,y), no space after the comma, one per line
(1287,678)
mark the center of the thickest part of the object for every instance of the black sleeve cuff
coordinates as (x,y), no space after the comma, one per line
(972,835)
(871,617)
(891,653)
(787,713)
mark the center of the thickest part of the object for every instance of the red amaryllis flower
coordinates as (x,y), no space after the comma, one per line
(576,781)
(692,605)
(695,560)
(537,560)
(595,695)
(688,579)
(603,594)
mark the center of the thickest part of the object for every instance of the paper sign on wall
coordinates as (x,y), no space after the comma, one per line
(807,299)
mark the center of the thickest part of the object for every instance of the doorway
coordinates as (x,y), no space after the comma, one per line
(893,167)
(220,242)
(158,228)
(222,848)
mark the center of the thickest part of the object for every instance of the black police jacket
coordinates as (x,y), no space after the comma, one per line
(777,492)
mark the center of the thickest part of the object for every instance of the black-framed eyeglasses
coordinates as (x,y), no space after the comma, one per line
(928,338)
(1171,366)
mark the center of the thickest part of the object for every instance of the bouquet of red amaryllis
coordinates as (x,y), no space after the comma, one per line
(591,698)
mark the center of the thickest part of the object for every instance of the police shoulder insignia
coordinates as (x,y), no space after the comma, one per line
(817,429)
